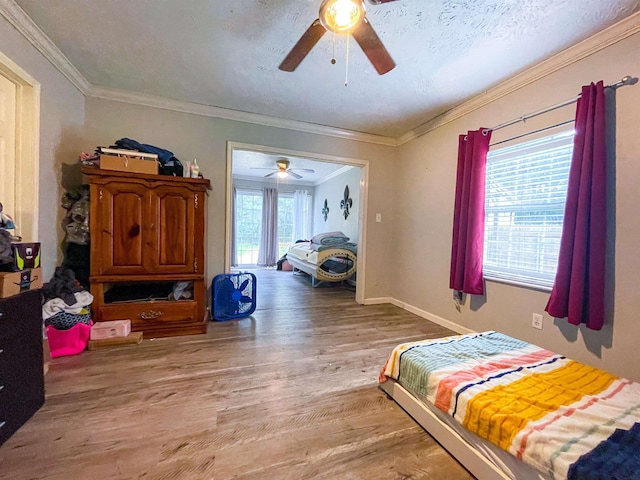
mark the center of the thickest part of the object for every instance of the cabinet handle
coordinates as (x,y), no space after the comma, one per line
(150,315)
(100,194)
(196,199)
(2,424)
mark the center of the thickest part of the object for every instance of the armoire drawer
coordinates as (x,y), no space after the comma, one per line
(152,313)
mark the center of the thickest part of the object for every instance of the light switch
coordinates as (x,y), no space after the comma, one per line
(378,217)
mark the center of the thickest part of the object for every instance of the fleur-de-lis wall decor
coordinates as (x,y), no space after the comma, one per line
(346,203)
(325,210)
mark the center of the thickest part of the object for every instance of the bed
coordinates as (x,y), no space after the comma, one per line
(507,409)
(324,263)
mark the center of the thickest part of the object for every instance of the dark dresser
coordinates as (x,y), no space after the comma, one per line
(21,371)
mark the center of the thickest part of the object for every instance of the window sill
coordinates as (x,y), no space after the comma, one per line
(515,283)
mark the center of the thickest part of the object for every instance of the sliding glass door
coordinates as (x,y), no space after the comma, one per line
(248,223)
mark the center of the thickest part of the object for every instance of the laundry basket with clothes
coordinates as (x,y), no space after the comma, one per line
(66,313)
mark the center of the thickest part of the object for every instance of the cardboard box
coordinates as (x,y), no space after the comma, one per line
(25,255)
(134,338)
(13,283)
(110,329)
(130,164)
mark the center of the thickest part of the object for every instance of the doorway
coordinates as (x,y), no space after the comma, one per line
(316,172)
(20,133)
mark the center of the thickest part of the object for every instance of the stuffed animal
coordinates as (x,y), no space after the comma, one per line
(6,224)
(6,221)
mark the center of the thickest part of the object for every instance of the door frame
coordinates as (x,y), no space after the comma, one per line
(27,171)
(363,192)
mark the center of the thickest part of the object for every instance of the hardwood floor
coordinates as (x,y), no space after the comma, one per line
(289,393)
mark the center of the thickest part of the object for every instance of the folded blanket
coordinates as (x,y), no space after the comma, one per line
(353,247)
(329,238)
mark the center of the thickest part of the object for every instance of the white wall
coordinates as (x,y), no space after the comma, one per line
(192,136)
(425,188)
(61,120)
(333,191)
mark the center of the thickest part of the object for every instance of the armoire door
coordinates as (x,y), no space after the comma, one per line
(173,240)
(119,224)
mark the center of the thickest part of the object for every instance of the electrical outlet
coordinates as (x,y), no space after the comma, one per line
(536,321)
(378,217)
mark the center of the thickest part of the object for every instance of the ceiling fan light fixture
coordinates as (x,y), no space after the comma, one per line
(341,16)
(282,174)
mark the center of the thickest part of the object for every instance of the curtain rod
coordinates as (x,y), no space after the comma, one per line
(566,122)
(628,80)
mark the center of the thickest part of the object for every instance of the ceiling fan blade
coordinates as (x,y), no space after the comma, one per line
(303,47)
(270,174)
(373,48)
(380,2)
(294,175)
(305,170)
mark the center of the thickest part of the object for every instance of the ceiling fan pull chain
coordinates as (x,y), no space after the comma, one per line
(346,70)
(333,47)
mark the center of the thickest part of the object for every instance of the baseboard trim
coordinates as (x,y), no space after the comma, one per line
(443,322)
(377,301)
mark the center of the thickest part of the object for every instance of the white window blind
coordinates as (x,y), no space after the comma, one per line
(526,190)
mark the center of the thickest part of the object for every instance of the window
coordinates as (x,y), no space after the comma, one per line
(248,225)
(285,222)
(526,189)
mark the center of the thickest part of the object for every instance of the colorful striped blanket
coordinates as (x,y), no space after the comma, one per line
(566,419)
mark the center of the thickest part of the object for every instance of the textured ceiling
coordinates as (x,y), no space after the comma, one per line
(255,165)
(226,53)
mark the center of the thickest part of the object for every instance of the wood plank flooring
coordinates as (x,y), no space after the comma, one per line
(289,393)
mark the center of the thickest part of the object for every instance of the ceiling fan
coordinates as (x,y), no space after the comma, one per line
(283,170)
(342,16)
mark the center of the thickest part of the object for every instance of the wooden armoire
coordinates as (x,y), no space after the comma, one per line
(147,237)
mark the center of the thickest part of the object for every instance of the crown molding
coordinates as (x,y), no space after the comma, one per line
(607,37)
(288,183)
(601,40)
(26,26)
(235,115)
(335,174)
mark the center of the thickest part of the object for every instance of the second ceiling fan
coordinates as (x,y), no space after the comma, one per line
(283,170)
(342,16)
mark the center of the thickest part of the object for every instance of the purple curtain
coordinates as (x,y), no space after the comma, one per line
(468,216)
(268,249)
(578,290)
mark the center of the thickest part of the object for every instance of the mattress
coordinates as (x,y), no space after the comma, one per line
(563,418)
(303,251)
(509,466)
